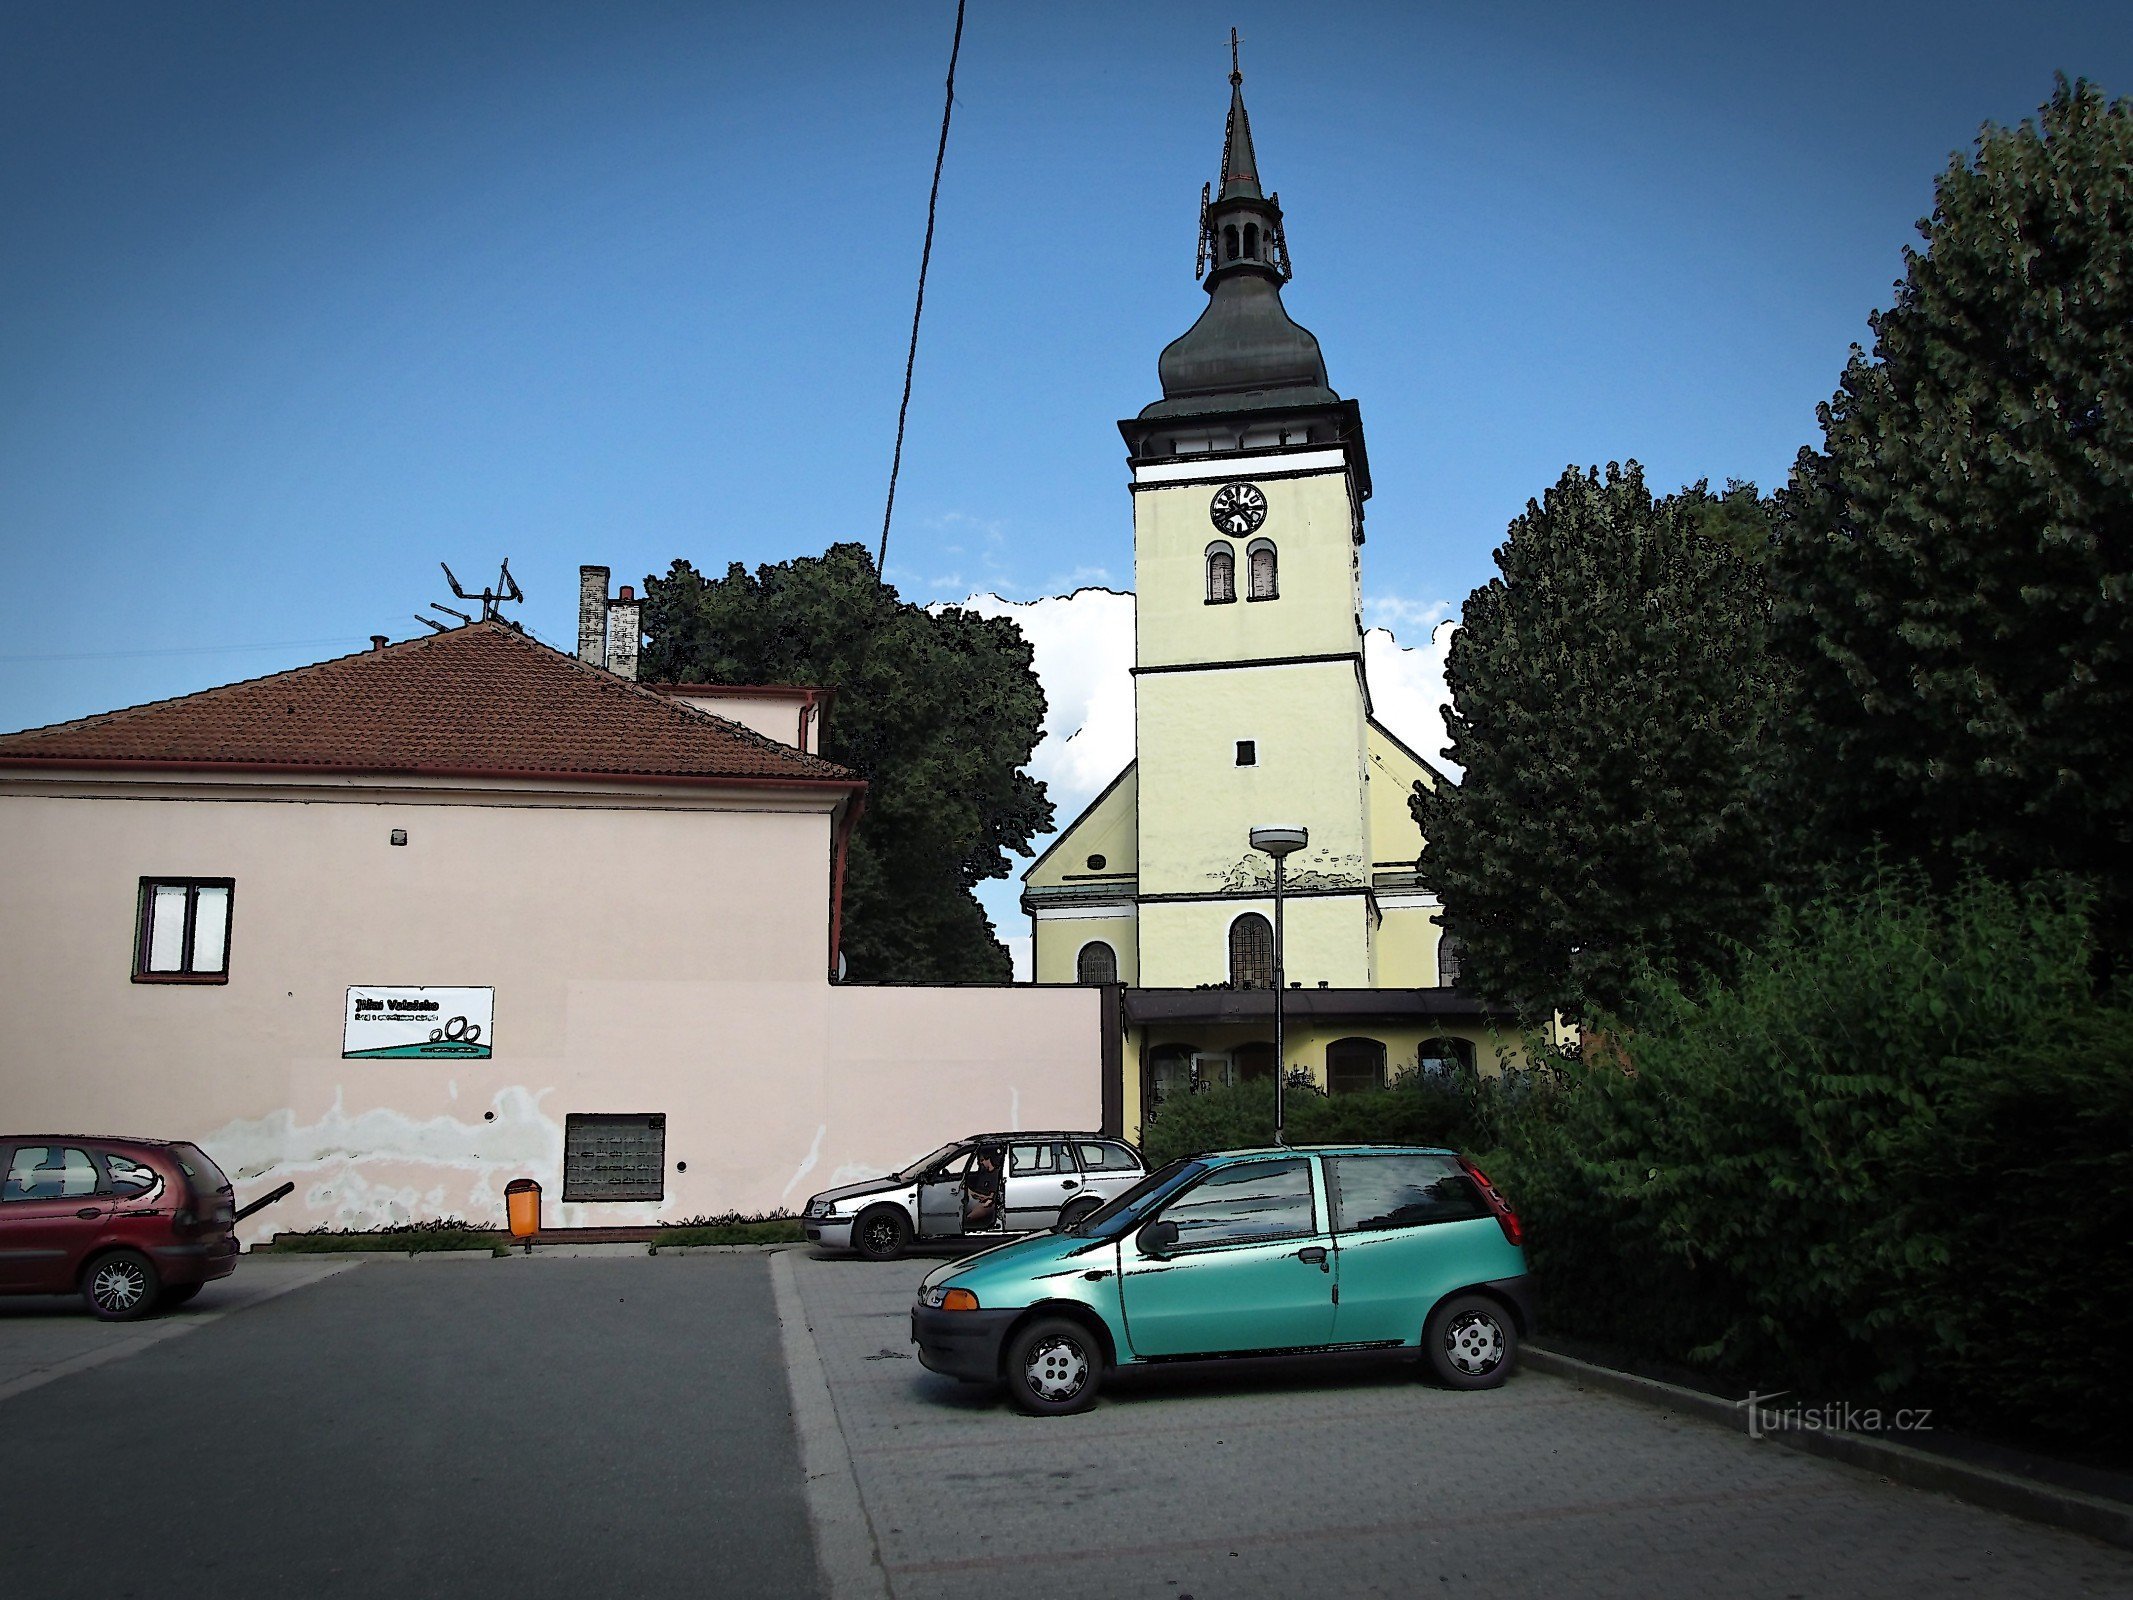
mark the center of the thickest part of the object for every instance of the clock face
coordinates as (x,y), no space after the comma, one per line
(1238,508)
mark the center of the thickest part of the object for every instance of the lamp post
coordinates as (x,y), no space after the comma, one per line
(1279,842)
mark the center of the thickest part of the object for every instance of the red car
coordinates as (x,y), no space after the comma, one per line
(132,1224)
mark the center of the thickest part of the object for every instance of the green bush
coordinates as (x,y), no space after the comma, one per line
(1897,1152)
(439,1233)
(1459,1110)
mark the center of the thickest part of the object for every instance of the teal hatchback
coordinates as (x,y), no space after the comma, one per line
(1335,1248)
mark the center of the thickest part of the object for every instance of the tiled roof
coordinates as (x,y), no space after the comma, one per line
(482,698)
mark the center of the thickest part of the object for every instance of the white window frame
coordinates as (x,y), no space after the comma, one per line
(171,909)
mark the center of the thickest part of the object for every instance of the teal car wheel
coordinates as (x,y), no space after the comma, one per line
(1054,1367)
(1470,1342)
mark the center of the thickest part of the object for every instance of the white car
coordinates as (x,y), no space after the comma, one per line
(1043,1180)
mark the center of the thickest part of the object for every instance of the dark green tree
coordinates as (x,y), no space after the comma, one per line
(1953,579)
(1609,702)
(937,710)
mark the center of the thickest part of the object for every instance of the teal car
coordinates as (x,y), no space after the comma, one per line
(1334,1248)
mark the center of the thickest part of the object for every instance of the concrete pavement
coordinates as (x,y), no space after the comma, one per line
(1240,1481)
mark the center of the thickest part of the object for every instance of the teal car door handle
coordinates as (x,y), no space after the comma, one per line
(1316,1256)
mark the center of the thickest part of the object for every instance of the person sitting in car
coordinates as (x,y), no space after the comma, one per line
(981,1193)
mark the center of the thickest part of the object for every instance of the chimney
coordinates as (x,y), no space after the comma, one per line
(379,641)
(592,617)
(625,630)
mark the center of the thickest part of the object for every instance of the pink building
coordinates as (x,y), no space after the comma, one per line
(405,925)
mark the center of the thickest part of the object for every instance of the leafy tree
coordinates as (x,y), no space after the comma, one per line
(1954,568)
(1609,700)
(937,710)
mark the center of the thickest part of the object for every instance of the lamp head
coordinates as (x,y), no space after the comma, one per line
(1280,841)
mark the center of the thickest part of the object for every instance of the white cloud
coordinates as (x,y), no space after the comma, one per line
(1083,645)
(1021,949)
(1407,687)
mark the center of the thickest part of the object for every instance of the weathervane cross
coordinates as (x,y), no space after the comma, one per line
(1236,73)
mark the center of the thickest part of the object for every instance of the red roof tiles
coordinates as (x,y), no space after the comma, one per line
(482,698)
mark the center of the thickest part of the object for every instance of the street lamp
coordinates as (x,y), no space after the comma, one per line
(1279,842)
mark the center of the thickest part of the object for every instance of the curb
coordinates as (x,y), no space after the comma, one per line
(2099,1518)
(846,1550)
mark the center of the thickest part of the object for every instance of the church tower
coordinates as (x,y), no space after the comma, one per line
(1249,478)
(1251,709)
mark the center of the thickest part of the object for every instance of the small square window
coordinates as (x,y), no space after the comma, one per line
(183,934)
(1247,752)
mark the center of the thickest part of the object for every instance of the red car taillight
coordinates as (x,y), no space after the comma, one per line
(1506,1218)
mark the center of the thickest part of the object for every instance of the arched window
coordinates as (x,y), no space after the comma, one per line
(1449,951)
(1254,1061)
(1251,241)
(1251,952)
(1169,1072)
(1097,963)
(1443,1057)
(1229,242)
(1260,553)
(1354,1065)
(1221,573)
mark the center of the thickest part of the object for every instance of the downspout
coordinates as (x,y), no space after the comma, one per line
(846,822)
(807,715)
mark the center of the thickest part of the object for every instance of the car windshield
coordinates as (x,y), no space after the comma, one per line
(1121,1214)
(925,1164)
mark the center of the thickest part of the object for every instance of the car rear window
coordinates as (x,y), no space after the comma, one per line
(1372,1193)
(199,1170)
(1107,1158)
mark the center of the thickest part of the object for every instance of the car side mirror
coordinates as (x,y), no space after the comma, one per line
(1158,1239)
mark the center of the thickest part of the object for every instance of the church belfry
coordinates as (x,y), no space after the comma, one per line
(1249,701)
(1251,708)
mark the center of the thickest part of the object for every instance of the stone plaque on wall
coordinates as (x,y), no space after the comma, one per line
(615,1157)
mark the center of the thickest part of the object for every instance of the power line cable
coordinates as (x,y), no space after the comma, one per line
(925,259)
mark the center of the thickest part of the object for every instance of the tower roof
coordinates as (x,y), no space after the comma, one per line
(1245,353)
(1240,165)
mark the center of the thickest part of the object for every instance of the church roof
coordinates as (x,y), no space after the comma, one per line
(478,700)
(1245,352)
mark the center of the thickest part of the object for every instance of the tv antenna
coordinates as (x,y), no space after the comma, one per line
(506,592)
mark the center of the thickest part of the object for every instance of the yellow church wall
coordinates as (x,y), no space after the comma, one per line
(1186,943)
(1105,829)
(1198,806)
(1310,521)
(1393,772)
(1407,947)
(1059,942)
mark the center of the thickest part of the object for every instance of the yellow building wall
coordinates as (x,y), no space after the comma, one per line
(1395,837)
(1324,940)
(1058,942)
(1198,807)
(1407,947)
(1311,522)
(1106,829)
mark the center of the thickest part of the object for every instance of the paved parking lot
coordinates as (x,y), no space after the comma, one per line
(460,1427)
(527,1429)
(1232,1482)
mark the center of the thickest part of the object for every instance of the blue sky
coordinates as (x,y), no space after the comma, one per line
(298,300)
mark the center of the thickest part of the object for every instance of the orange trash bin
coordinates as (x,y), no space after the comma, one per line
(522,1204)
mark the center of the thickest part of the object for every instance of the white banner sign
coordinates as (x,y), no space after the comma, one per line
(448,1024)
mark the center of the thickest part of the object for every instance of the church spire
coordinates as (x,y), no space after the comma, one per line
(1240,167)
